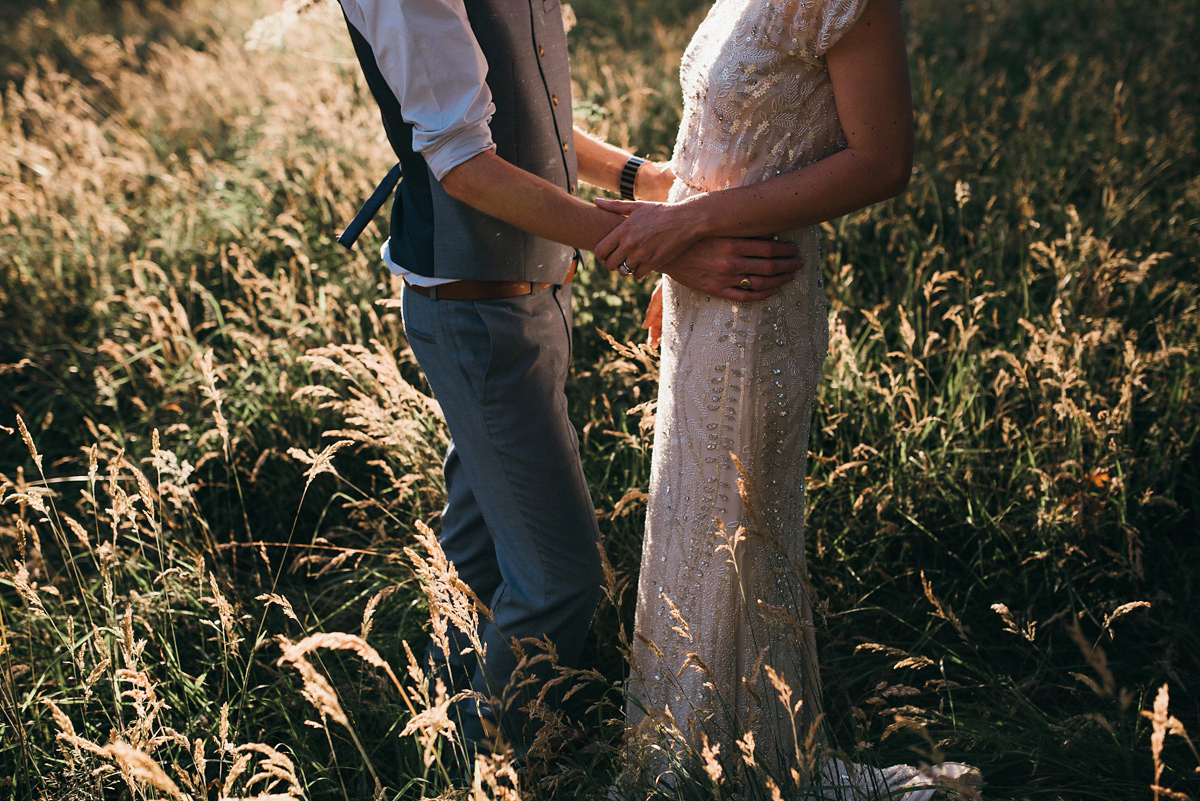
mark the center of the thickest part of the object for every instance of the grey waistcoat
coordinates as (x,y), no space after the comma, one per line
(529,76)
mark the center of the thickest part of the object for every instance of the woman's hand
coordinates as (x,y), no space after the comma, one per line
(652,235)
(654,316)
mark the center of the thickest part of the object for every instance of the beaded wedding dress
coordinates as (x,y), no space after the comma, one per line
(724,654)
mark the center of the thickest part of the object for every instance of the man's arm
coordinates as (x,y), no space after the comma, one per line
(449,105)
(500,189)
(446,100)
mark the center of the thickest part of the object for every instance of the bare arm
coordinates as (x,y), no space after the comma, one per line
(500,189)
(712,264)
(494,186)
(600,164)
(869,72)
(450,129)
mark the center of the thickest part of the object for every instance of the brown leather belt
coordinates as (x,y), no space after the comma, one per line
(485,290)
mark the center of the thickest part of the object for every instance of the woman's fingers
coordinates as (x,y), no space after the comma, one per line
(653,321)
(624,207)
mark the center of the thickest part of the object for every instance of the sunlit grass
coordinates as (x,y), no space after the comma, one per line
(216,448)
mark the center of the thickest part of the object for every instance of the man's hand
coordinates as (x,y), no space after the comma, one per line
(719,266)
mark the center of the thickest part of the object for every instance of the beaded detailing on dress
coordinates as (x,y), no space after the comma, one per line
(723,654)
(721,603)
(757,97)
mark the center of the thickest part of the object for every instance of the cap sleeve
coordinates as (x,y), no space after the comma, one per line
(824,22)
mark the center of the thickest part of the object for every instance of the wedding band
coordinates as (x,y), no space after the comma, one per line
(745,283)
(625,269)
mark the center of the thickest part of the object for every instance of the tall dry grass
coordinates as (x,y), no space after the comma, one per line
(217,448)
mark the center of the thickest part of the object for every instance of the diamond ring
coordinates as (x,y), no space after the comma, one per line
(745,283)
(625,269)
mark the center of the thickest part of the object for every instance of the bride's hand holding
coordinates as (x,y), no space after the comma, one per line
(652,235)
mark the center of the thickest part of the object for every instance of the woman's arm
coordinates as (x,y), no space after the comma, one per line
(600,164)
(868,68)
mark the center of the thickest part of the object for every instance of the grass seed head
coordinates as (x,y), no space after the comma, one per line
(139,768)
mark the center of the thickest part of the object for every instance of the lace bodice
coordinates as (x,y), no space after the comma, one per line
(757,99)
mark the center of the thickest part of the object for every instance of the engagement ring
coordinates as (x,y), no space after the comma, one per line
(625,269)
(745,283)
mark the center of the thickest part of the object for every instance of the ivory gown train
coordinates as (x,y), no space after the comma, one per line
(738,382)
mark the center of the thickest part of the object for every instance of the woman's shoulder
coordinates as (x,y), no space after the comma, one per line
(815,26)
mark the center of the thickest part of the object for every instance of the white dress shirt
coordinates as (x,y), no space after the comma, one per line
(432,62)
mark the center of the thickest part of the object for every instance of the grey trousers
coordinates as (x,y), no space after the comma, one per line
(519,525)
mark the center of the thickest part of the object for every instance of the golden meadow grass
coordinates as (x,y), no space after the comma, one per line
(218,464)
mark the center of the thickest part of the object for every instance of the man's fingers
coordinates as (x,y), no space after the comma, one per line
(760,248)
(773,281)
(623,207)
(759,257)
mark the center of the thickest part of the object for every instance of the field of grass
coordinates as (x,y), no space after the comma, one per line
(218,462)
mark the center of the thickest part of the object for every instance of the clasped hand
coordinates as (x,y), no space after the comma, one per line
(665,237)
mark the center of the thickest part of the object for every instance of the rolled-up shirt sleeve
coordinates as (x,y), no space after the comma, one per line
(432,62)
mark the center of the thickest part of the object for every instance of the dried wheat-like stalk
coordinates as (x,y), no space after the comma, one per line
(213,395)
(942,610)
(432,723)
(369,611)
(273,768)
(681,628)
(223,728)
(33,451)
(710,753)
(641,359)
(225,612)
(649,643)
(451,601)
(1121,610)
(241,764)
(875,647)
(318,462)
(1097,660)
(280,601)
(66,729)
(138,768)
(495,778)
(746,745)
(27,589)
(317,689)
(1028,631)
(1163,723)
(633,501)
(338,641)
(612,590)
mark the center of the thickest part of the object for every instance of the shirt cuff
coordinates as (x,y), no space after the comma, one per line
(445,152)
